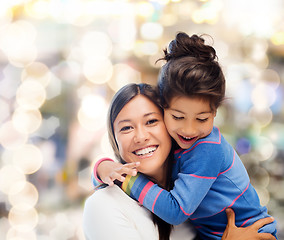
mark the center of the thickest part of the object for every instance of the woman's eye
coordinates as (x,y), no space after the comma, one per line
(177,118)
(126,128)
(152,121)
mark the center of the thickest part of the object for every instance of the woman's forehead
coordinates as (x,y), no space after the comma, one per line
(138,107)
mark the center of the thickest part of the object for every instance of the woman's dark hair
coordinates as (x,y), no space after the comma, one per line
(191,70)
(120,99)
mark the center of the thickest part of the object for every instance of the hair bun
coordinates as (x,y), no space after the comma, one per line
(186,46)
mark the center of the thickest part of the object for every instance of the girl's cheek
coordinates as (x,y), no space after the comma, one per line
(170,126)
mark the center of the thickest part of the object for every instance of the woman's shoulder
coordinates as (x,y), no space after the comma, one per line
(109,196)
(102,196)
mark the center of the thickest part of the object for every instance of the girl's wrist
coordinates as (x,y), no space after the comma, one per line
(96,177)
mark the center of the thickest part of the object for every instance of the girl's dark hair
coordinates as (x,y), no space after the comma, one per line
(191,70)
(120,99)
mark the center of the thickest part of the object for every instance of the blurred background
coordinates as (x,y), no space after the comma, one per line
(61,61)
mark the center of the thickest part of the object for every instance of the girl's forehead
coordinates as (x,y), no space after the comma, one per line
(190,105)
(187,100)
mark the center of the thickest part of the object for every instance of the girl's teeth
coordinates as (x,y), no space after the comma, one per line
(145,151)
(187,138)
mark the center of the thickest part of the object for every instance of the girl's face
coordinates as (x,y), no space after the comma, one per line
(142,136)
(188,119)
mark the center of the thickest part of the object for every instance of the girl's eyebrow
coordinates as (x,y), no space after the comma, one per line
(204,112)
(176,110)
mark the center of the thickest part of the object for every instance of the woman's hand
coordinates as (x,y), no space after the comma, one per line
(109,171)
(233,232)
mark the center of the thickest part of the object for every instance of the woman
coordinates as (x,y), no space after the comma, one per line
(136,136)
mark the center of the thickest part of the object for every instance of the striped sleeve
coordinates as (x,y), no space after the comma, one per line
(147,193)
(176,206)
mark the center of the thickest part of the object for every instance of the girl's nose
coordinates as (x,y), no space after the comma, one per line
(189,130)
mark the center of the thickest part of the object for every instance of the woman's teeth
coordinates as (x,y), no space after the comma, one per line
(145,151)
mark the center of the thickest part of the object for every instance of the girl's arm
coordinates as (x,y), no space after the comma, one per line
(194,180)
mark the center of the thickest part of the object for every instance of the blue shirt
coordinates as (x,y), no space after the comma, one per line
(208,178)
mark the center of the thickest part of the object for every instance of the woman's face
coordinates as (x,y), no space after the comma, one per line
(142,137)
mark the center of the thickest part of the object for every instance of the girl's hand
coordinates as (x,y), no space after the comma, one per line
(233,232)
(109,171)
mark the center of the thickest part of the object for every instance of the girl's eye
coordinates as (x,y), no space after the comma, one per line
(152,121)
(126,128)
(177,118)
(202,119)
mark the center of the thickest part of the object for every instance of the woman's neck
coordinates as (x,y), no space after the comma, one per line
(160,177)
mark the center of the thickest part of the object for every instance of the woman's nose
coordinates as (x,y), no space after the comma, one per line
(141,135)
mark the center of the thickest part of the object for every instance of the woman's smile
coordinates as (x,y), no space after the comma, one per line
(146,152)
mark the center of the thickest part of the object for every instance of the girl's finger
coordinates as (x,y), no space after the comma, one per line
(117,176)
(127,170)
(131,165)
(108,181)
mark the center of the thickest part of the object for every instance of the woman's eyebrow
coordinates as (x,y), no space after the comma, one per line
(123,121)
(150,113)
(145,115)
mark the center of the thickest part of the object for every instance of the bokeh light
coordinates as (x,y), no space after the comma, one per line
(10,137)
(38,72)
(92,114)
(38,9)
(17,41)
(14,234)
(98,70)
(151,31)
(5,110)
(12,179)
(6,16)
(23,217)
(28,194)
(30,95)
(28,158)
(96,45)
(26,121)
